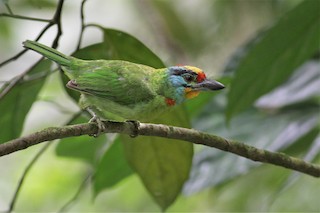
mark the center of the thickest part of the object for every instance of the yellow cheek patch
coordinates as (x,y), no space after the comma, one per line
(190,94)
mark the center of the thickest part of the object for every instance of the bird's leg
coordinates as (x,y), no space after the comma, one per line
(98,121)
(136,124)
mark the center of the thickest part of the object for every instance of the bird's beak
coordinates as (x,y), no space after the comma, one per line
(208,84)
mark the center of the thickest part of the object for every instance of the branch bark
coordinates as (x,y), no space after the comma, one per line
(189,135)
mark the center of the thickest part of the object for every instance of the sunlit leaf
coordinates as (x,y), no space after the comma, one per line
(15,105)
(162,164)
(272,60)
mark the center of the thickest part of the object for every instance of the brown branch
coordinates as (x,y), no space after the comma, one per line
(190,135)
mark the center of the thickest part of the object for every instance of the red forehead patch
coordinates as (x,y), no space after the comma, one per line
(201,76)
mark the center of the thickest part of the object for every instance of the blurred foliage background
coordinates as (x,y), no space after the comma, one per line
(216,35)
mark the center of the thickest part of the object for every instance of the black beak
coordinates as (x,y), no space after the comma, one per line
(208,85)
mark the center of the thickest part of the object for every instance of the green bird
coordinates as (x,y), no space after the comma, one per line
(122,90)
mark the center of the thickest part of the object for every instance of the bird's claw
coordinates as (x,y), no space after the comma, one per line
(135,131)
(100,124)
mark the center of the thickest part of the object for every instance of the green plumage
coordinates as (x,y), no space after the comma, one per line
(114,89)
(120,90)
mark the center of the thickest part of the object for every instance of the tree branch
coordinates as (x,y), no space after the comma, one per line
(190,135)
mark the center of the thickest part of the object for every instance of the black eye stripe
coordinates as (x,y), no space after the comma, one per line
(183,71)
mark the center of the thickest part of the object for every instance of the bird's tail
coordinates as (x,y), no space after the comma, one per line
(48,52)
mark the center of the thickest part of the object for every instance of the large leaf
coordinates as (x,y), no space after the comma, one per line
(15,105)
(84,147)
(274,57)
(162,164)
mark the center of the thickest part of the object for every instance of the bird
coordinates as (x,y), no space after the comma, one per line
(122,90)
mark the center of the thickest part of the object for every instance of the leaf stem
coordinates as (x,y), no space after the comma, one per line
(24,17)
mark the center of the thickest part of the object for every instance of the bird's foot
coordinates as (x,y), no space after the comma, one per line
(100,124)
(135,131)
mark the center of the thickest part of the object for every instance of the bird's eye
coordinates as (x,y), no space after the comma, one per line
(188,78)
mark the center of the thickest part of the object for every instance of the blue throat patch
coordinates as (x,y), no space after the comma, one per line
(177,82)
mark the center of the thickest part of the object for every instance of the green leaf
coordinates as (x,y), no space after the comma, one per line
(294,39)
(162,164)
(118,45)
(15,105)
(112,168)
(83,147)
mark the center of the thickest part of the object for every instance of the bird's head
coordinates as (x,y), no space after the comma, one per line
(190,81)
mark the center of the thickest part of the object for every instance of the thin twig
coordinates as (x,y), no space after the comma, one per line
(76,195)
(9,86)
(30,165)
(159,130)
(14,82)
(82,23)
(13,58)
(22,78)
(24,17)
(8,8)
(57,20)
(25,173)
(37,76)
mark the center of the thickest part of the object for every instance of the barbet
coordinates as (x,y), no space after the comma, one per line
(121,90)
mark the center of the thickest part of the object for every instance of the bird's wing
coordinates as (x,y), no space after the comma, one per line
(122,82)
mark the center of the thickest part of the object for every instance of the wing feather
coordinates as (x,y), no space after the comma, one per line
(122,82)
